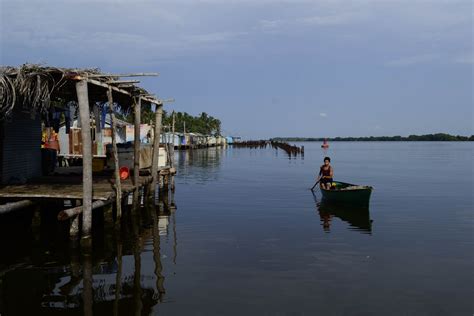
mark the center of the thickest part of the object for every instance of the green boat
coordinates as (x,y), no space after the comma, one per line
(347,194)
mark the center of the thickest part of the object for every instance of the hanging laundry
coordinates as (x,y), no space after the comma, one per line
(55,122)
(103,114)
(67,116)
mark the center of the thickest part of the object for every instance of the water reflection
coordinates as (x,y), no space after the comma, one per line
(201,165)
(357,217)
(123,274)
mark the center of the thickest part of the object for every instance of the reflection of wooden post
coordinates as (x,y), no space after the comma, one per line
(157,257)
(137,288)
(175,238)
(118,185)
(88,291)
(118,278)
(156,145)
(83,100)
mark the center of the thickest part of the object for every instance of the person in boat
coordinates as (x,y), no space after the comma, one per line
(326,173)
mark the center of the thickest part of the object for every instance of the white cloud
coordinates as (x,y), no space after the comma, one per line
(412,60)
(323,114)
(464,59)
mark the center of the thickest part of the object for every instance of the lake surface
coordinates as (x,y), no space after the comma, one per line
(243,235)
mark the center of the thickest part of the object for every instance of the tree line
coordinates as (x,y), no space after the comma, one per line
(184,122)
(428,137)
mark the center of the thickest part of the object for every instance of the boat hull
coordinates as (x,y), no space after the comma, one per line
(359,196)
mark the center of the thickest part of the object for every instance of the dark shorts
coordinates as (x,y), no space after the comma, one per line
(326,180)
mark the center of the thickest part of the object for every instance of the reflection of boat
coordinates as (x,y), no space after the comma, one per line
(358,217)
(348,194)
(325,144)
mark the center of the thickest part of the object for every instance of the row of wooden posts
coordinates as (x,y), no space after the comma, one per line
(289,149)
(84,112)
(251,144)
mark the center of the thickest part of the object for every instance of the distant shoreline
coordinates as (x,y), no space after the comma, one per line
(428,137)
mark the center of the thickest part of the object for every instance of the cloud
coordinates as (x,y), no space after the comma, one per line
(464,59)
(413,60)
(319,20)
(329,20)
(323,114)
(214,37)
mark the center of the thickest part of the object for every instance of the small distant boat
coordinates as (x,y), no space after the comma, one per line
(348,194)
(325,144)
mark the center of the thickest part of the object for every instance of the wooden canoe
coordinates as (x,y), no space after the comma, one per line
(347,194)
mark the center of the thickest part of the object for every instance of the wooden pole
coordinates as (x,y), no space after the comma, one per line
(173,134)
(136,144)
(118,184)
(66,214)
(12,206)
(83,100)
(156,146)
(172,156)
(74,228)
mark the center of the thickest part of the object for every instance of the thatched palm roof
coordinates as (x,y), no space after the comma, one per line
(36,87)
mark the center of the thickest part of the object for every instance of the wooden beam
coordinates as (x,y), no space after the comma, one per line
(13,206)
(122,81)
(136,143)
(156,146)
(105,85)
(118,184)
(71,212)
(151,100)
(83,100)
(138,74)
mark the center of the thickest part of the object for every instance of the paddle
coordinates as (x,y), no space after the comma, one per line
(315,184)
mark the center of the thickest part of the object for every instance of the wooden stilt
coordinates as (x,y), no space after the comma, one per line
(118,184)
(136,144)
(156,146)
(84,113)
(74,229)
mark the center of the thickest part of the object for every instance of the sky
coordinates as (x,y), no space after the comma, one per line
(270,68)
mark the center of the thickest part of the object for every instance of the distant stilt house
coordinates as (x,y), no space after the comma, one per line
(229,140)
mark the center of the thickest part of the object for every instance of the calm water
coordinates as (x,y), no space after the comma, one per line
(246,238)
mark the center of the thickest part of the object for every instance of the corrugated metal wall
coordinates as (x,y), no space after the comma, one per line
(21,148)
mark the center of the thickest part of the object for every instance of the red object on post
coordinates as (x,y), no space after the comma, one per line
(124,173)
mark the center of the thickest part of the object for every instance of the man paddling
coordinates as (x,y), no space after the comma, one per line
(326,173)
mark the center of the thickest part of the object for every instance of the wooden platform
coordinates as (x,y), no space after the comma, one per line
(67,186)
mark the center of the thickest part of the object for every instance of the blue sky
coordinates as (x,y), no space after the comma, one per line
(271,67)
